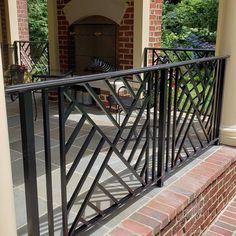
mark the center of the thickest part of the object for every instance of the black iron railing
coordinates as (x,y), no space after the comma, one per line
(34,55)
(157,56)
(178,117)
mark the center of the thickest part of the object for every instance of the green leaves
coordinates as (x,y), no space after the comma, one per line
(189,23)
(38,23)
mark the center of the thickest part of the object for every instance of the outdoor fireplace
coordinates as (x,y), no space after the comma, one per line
(108,29)
(95,36)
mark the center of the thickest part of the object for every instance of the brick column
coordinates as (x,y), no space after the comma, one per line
(63,36)
(22,15)
(155,23)
(126,39)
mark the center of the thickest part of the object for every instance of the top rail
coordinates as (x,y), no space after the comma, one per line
(67,81)
(181,49)
(28,41)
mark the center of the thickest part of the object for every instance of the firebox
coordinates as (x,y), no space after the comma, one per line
(95,36)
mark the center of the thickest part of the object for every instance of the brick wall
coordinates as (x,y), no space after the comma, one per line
(22,14)
(125,35)
(155,26)
(63,36)
(155,23)
(189,204)
(126,39)
(198,215)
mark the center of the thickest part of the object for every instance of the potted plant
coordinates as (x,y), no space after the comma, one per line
(15,74)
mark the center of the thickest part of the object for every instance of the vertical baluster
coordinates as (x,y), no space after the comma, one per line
(149,96)
(48,168)
(175,108)
(169,118)
(145,57)
(29,162)
(15,52)
(155,125)
(61,103)
(162,126)
(153,57)
(21,49)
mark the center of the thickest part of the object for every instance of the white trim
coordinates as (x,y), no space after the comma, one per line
(7,210)
(80,9)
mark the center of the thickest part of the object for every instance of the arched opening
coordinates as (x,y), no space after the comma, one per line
(94,36)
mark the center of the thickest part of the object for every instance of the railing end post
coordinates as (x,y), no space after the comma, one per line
(160,183)
(29,162)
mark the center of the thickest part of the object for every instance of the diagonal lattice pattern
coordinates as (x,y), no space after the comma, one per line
(157,56)
(172,115)
(34,55)
(190,111)
(112,168)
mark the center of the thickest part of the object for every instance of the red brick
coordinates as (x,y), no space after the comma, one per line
(22,15)
(220,231)
(210,233)
(172,199)
(168,210)
(136,227)
(188,183)
(120,232)
(155,214)
(233,204)
(225,226)
(145,220)
(227,220)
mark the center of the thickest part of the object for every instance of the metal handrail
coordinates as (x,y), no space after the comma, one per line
(182,49)
(110,75)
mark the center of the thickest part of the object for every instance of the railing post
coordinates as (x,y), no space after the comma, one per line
(15,52)
(219,96)
(61,108)
(145,57)
(162,126)
(29,162)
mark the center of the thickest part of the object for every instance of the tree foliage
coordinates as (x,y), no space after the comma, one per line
(38,23)
(189,23)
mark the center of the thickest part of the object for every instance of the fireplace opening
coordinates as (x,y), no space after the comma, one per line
(94,36)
